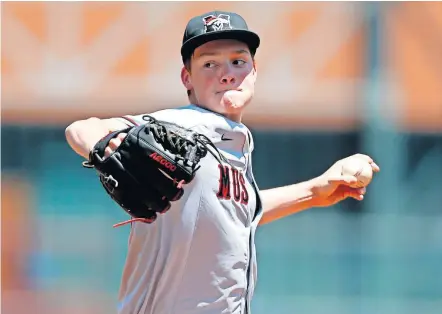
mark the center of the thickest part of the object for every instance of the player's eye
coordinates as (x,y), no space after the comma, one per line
(209,65)
(238,62)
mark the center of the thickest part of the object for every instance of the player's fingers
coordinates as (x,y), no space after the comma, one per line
(114,143)
(360,191)
(121,136)
(375,167)
(107,152)
(370,160)
(365,157)
(358,197)
(344,179)
(355,193)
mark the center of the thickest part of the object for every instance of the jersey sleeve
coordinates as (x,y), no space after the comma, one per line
(130,120)
(134,120)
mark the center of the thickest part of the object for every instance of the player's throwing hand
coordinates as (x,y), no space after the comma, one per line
(336,184)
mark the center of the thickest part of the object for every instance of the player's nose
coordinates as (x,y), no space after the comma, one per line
(228,76)
(228,79)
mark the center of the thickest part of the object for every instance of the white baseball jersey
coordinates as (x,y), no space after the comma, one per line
(199,257)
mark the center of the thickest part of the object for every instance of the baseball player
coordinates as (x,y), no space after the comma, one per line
(199,257)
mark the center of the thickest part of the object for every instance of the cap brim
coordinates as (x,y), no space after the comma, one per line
(248,37)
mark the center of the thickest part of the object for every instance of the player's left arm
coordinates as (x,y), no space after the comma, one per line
(346,178)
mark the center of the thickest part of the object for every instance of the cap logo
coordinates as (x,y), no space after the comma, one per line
(214,23)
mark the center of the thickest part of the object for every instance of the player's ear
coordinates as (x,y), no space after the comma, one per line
(255,69)
(185,78)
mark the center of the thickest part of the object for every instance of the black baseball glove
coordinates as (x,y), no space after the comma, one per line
(148,170)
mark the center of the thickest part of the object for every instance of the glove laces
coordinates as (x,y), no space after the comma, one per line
(190,150)
(174,140)
(130,221)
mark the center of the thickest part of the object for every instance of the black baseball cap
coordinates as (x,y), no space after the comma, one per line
(216,25)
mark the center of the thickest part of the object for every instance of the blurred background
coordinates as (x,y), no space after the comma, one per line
(334,79)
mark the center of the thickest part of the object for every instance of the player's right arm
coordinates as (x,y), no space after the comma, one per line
(82,135)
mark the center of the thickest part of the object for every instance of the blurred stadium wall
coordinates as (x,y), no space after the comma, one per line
(334,79)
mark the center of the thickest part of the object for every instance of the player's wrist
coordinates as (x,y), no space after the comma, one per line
(314,188)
